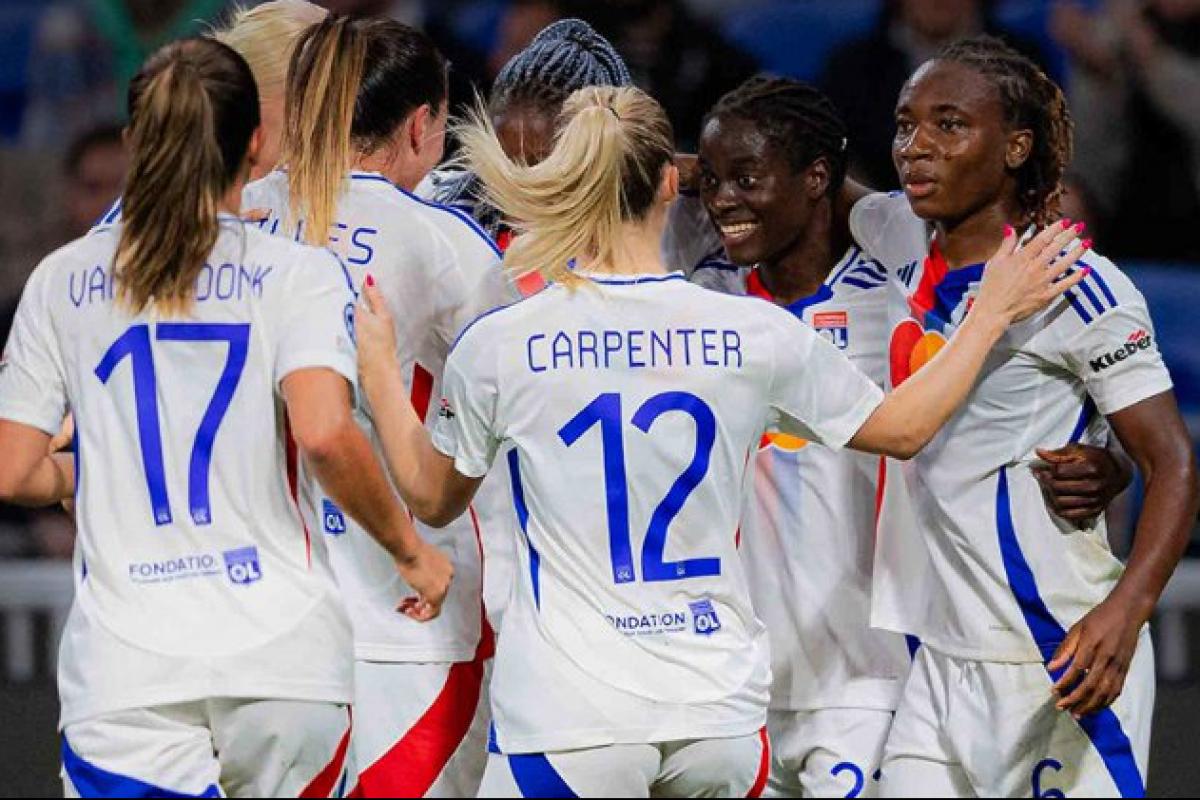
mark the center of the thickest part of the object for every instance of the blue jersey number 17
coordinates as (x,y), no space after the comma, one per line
(135,345)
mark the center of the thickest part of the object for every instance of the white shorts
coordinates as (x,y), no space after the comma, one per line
(210,748)
(830,752)
(420,730)
(735,767)
(981,729)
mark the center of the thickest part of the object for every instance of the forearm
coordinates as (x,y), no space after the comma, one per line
(912,414)
(419,471)
(352,476)
(1163,530)
(50,481)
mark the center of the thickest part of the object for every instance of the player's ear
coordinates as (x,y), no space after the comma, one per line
(1018,148)
(668,189)
(417,126)
(816,179)
(254,149)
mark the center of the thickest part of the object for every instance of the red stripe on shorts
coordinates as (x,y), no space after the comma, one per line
(764,765)
(323,785)
(410,768)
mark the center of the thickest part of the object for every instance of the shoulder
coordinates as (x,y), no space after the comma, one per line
(885,227)
(445,223)
(300,263)
(719,275)
(265,191)
(1105,289)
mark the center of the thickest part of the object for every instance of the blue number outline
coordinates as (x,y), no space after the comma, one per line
(606,410)
(237,335)
(653,566)
(135,344)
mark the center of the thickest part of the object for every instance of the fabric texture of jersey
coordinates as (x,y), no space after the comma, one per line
(632,622)
(831,752)
(1009,577)
(438,271)
(211,748)
(1030,749)
(811,500)
(195,573)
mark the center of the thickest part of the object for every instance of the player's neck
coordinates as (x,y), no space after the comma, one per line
(804,268)
(231,203)
(974,239)
(637,250)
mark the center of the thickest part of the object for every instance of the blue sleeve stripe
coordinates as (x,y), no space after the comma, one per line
(865,269)
(852,281)
(1091,296)
(1103,284)
(849,262)
(1079,309)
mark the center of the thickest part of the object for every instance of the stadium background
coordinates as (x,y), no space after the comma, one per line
(1130,67)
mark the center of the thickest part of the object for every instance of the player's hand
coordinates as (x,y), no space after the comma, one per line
(375,333)
(429,572)
(1020,281)
(1096,655)
(255,215)
(65,435)
(1080,481)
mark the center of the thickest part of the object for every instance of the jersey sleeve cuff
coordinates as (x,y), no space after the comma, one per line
(40,418)
(1113,402)
(855,419)
(317,359)
(447,445)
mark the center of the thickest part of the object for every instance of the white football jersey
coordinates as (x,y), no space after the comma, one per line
(1008,577)
(808,541)
(196,576)
(634,406)
(438,272)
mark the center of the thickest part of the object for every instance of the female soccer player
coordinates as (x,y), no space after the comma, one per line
(773,157)
(1037,670)
(208,650)
(366,113)
(630,659)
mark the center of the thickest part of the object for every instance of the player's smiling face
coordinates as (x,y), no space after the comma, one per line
(953,150)
(751,192)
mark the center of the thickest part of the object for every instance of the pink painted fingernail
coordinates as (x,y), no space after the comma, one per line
(1087,244)
(1008,230)
(1080,226)
(1066,223)
(370,279)
(1087,271)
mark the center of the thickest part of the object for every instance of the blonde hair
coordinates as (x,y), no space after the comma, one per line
(193,109)
(605,170)
(266,35)
(351,84)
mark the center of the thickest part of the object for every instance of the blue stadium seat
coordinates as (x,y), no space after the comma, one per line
(794,37)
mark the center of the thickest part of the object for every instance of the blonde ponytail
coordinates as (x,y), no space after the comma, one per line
(181,149)
(266,35)
(604,170)
(323,85)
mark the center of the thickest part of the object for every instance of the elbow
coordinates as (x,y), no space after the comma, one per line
(436,517)
(323,443)
(906,446)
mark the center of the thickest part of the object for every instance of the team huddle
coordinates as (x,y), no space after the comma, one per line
(575,466)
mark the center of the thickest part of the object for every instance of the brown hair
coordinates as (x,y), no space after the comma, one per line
(193,108)
(352,82)
(609,153)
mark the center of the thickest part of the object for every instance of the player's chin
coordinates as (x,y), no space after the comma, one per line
(929,207)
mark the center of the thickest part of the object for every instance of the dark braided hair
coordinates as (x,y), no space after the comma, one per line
(1031,100)
(566,56)
(794,116)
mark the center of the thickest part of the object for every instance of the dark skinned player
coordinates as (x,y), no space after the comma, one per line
(771,174)
(1037,671)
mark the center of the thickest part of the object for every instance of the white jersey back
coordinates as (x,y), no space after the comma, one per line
(1009,577)
(634,406)
(193,559)
(438,272)
(808,541)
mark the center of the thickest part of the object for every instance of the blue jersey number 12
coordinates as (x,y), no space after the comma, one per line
(135,345)
(605,410)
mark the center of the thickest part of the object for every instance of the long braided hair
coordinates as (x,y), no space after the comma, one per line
(1031,100)
(795,117)
(566,56)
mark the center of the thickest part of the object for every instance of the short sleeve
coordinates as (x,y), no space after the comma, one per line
(816,392)
(474,281)
(1116,356)
(317,324)
(466,423)
(32,377)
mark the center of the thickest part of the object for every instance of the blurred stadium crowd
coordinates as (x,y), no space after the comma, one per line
(1131,69)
